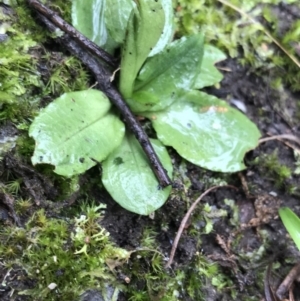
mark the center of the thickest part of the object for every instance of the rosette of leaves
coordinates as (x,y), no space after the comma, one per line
(160,80)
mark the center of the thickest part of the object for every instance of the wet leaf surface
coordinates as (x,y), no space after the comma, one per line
(128,177)
(167,75)
(207,132)
(116,17)
(88,17)
(145,27)
(209,74)
(292,224)
(74,131)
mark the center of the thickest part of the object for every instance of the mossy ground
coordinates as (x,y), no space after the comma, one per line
(85,246)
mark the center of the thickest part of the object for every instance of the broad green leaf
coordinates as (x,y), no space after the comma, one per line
(179,57)
(167,74)
(75,131)
(168,31)
(88,17)
(145,27)
(128,177)
(206,131)
(116,15)
(149,102)
(292,224)
(209,74)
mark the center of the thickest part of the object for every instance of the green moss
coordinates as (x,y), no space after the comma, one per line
(67,75)
(22,206)
(70,253)
(24,63)
(18,73)
(273,169)
(24,144)
(151,281)
(13,187)
(235,34)
(77,254)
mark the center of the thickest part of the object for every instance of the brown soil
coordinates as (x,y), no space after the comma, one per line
(231,242)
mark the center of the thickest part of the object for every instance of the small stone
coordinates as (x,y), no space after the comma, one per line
(52,286)
(273,193)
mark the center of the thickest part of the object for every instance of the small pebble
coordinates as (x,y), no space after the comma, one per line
(239,105)
(273,193)
(52,286)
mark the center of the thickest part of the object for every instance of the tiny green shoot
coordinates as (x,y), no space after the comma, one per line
(292,224)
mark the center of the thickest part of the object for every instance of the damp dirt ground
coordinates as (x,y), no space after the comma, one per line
(246,238)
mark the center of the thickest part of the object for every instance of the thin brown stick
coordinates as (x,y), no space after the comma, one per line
(185,219)
(269,293)
(288,281)
(71,31)
(279,137)
(291,294)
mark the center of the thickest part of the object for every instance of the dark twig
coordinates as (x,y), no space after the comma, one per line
(185,219)
(269,292)
(278,137)
(75,34)
(103,78)
(288,281)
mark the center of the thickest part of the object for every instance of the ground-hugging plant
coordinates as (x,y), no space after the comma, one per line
(160,80)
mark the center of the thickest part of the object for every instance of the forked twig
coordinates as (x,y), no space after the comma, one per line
(185,219)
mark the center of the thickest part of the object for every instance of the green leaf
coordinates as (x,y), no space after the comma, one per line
(145,27)
(168,74)
(292,224)
(209,74)
(128,177)
(117,14)
(168,30)
(206,131)
(75,131)
(88,17)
